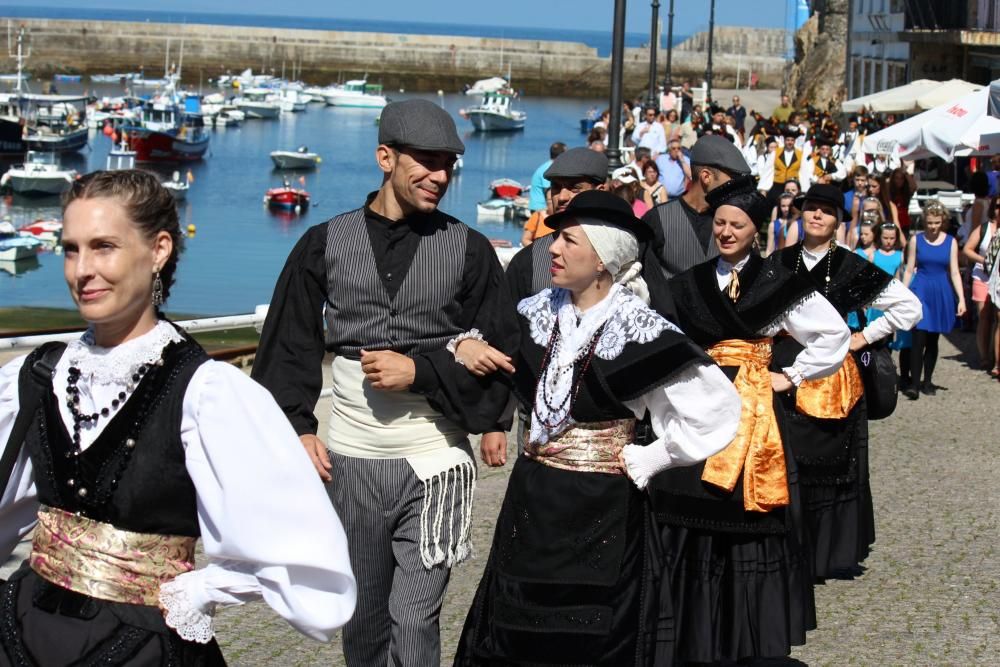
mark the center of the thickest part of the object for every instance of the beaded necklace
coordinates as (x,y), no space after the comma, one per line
(567,402)
(829,263)
(79,418)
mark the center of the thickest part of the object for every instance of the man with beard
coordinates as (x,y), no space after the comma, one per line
(398,282)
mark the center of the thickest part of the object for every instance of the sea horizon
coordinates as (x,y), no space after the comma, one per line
(600,40)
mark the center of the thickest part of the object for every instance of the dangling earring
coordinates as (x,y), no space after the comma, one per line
(157,291)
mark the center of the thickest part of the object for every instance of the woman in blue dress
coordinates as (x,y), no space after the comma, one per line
(932,274)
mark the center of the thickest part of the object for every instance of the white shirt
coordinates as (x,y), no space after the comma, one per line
(813,322)
(901,307)
(766,168)
(267,525)
(686,431)
(655,139)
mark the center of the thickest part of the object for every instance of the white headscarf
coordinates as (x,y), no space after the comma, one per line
(618,249)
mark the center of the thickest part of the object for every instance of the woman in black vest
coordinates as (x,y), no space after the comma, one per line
(569,579)
(826,419)
(739,582)
(129,444)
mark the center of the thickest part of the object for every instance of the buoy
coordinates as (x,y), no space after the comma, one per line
(298,209)
(440,93)
(107,130)
(319,160)
(114,137)
(191,229)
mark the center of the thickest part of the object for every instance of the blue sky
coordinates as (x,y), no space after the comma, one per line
(689,15)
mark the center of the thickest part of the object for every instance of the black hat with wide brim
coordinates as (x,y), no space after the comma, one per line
(603,206)
(825,194)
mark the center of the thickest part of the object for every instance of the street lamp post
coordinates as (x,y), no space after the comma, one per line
(617,63)
(654,42)
(667,81)
(711,34)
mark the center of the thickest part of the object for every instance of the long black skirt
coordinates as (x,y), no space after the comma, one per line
(568,580)
(832,456)
(44,625)
(734,595)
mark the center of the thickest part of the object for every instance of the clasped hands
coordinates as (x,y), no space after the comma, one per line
(481,358)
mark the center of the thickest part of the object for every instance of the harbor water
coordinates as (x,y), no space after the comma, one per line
(232,261)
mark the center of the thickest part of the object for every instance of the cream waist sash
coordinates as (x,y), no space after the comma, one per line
(372,424)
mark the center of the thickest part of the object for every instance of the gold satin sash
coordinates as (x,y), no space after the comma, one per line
(834,396)
(106,563)
(756,451)
(587,447)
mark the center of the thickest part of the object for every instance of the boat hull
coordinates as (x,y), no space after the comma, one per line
(39,186)
(484,121)
(13,141)
(287,200)
(152,146)
(286,161)
(355,101)
(260,112)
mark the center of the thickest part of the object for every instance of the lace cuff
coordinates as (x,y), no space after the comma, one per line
(643,463)
(793,375)
(181,614)
(453,343)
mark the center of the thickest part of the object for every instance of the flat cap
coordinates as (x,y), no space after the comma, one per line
(715,151)
(419,124)
(579,162)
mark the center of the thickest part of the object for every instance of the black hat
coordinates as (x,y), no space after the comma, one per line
(603,206)
(741,192)
(825,194)
(715,151)
(419,124)
(580,162)
(715,108)
(790,131)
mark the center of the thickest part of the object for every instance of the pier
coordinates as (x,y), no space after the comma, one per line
(410,62)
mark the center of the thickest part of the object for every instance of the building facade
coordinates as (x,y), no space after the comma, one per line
(892,42)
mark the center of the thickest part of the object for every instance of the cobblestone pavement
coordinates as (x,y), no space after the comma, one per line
(931,591)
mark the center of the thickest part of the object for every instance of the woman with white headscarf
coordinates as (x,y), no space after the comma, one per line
(569,575)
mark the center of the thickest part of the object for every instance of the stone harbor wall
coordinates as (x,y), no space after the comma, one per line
(412,62)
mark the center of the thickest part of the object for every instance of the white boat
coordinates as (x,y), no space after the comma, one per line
(21,247)
(291,101)
(494,113)
(120,157)
(228,116)
(113,78)
(483,86)
(49,232)
(300,158)
(177,187)
(39,175)
(317,93)
(357,93)
(256,103)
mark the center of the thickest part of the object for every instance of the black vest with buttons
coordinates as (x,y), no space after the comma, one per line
(134,475)
(421,317)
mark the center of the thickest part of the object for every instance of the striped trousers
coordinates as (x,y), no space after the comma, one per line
(399,600)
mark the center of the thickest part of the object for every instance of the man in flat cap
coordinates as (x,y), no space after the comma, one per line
(574,171)
(682,228)
(397,281)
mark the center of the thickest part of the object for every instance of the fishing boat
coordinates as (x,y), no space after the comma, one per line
(168,132)
(46,123)
(178,188)
(506,202)
(287,198)
(357,93)
(258,103)
(40,174)
(495,114)
(291,100)
(300,158)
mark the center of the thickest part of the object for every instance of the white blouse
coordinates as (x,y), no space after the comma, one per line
(694,416)
(267,524)
(901,307)
(813,322)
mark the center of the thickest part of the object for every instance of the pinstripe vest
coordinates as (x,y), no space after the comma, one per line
(681,248)
(541,262)
(421,317)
